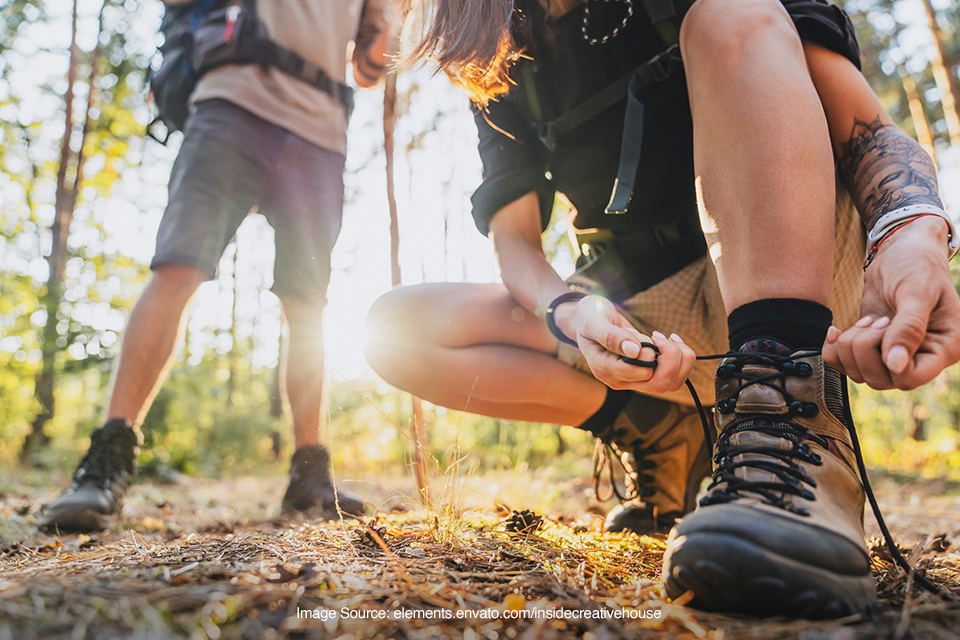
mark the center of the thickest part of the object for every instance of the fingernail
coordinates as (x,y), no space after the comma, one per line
(864,322)
(881,323)
(897,359)
(658,335)
(832,334)
(630,349)
(676,338)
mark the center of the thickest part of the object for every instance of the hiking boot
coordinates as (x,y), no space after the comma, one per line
(661,447)
(779,532)
(311,489)
(95,497)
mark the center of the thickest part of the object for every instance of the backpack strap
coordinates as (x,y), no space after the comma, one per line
(666,16)
(632,141)
(268,53)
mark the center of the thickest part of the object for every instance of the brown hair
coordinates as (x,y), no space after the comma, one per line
(475,42)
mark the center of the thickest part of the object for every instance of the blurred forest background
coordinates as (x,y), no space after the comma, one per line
(82,189)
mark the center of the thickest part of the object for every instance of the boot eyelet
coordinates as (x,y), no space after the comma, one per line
(802,369)
(808,495)
(816,459)
(727,405)
(726,371)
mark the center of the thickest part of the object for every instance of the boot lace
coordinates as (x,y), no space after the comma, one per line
(780,463)
(638,483)
(790,475)
(110,459)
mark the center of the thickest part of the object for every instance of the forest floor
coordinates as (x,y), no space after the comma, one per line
(211,559)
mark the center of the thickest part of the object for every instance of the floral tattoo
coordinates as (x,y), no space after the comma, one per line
(885,169)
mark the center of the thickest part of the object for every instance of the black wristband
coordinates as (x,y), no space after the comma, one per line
(570,296)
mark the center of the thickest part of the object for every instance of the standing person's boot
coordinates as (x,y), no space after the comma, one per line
(95,497)
(661,448)
(780,530)
(311,490)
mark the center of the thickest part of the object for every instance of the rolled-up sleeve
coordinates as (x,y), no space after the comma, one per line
(514,164)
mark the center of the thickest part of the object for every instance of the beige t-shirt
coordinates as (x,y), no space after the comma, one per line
(319,30)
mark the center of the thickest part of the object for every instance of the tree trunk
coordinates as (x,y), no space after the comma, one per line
(945,76)
(56,262)
(920,122)
(233,354)
(389,126)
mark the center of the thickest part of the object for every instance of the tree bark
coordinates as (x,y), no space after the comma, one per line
(920,122)
(56,262)
(67,195)
(945,76)
(389,126)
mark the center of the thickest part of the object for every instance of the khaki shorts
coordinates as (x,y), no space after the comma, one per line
(689,304)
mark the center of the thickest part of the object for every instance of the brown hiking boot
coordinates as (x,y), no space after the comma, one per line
(660,445)
(311,490)
(95,497)
(780,530)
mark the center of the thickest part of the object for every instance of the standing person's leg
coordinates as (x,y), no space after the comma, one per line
(779,532)
(155,326)
(305,208)
(210,194)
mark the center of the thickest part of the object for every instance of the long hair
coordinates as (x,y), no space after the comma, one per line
(475,42)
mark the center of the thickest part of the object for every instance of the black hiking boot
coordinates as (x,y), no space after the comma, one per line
(311,489)
(660,446)
(95,497)
(779,532)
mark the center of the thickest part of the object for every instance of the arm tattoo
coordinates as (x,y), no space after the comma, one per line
(885,169)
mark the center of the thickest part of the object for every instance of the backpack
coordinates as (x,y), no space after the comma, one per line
(665,16)
(200,36)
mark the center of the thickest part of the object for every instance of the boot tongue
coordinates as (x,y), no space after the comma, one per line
(765,345)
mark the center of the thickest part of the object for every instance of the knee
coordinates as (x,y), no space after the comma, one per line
(719,34)
(391,326)
(176,281)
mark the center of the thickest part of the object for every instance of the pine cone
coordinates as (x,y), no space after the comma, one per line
(524,521)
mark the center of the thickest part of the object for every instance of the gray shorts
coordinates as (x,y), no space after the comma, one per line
(689,303)
(231,162)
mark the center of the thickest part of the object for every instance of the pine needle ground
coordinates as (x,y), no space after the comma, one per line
(450,572)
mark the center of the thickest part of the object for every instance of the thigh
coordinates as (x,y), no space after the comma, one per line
(212,188)
(456,315)
(305,207)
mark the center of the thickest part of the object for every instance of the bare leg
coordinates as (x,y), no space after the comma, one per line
(303,370)
(472,347)
(765,171)
(149,340)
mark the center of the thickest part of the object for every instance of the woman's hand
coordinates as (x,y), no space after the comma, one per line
(909,330)
(604,335)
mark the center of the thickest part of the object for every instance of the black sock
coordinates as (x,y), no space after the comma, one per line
(798,324)
(612,405)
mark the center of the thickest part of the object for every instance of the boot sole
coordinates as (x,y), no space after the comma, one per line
(76,521)
(759,582)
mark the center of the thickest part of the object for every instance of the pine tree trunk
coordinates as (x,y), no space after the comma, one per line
(56,262)
(945,76)
(389,127)
(920,122)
